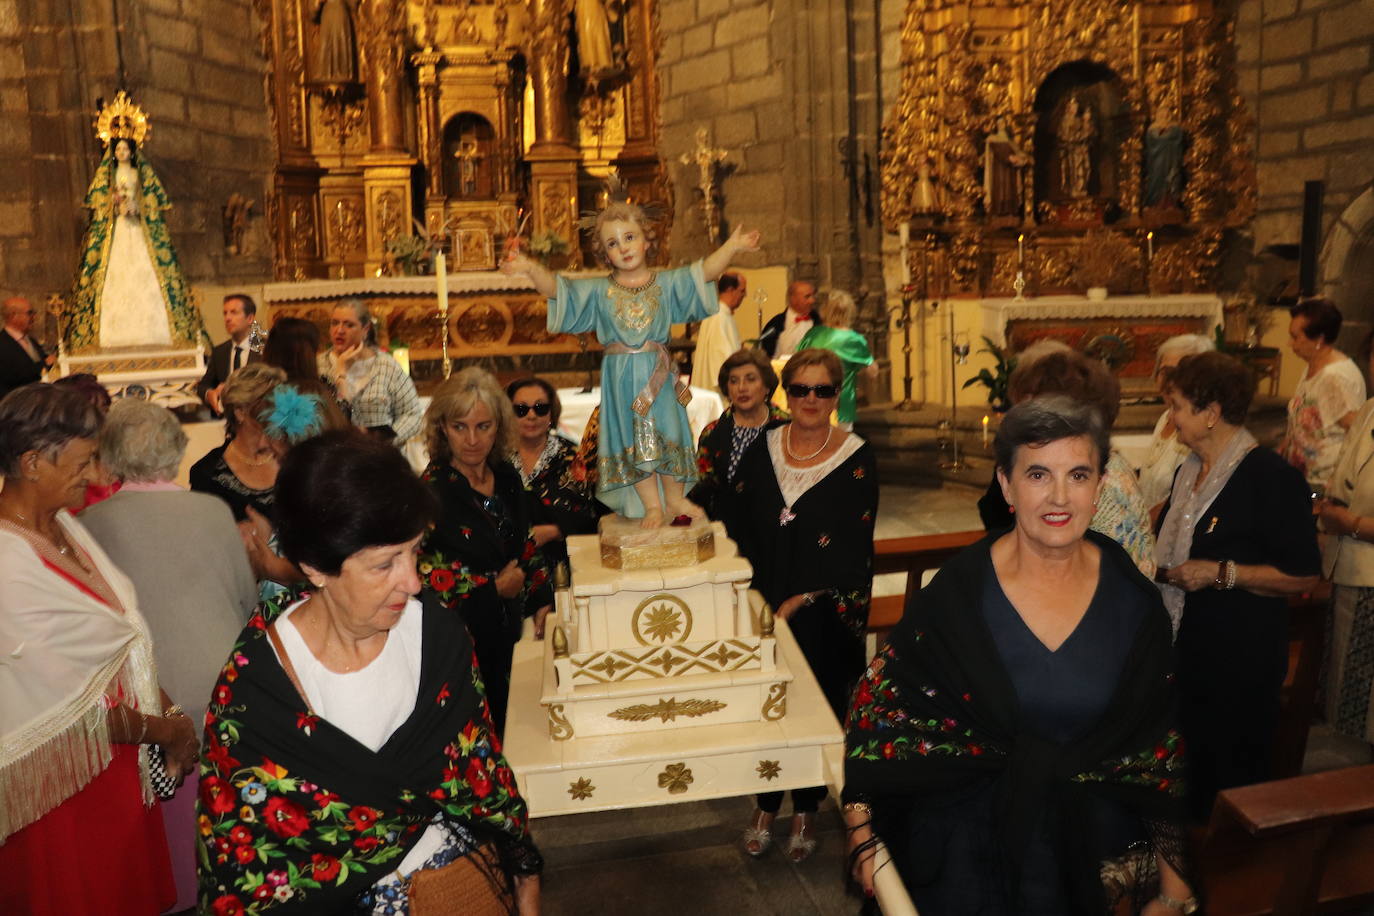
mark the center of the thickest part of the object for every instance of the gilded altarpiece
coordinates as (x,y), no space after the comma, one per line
(453,119)
(1084,143)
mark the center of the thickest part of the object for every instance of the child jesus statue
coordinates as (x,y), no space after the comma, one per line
(646,452)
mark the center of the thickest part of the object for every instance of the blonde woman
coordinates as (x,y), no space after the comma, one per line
(480,556)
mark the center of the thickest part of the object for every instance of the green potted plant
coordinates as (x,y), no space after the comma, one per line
(996,378)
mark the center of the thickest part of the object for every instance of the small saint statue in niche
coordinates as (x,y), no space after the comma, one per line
(1077,135)
(1164,159)
(336,57)
(925,199)
(1004,164)
(468,155)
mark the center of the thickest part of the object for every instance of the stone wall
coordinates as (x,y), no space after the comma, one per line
(789,88)
(1304,67)
(194,65)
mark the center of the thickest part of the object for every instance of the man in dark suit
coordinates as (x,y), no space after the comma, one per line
(22,360)
(785,330)
(239,312)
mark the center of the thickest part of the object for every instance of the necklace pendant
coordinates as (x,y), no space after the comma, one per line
(785,516)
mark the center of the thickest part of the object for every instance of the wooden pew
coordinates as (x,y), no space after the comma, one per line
(1306,647)
(1301,845)
(913,556)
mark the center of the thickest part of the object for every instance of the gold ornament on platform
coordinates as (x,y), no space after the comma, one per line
(581,790)
(661,619)
(667,710)
(560,729)
(775,704)
(769,770)
(122,120)
(676,778)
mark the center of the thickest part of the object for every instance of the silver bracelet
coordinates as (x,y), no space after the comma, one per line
(1230,574)
(1183,906)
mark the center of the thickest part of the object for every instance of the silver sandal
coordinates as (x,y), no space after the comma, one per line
(798,846)
(762,837)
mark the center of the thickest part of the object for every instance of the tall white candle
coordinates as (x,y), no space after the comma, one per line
(904,234)
(1020,250)
(1149,246)
(441,281)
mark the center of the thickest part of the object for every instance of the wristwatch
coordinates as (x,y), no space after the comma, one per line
(1183,906)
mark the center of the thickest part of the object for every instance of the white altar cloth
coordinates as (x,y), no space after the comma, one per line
(997,313)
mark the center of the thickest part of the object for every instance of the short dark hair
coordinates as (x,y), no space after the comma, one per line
(749,356)
(43,418)
(344,491)
(89,387)
(555,405)
(1071,374)
(813,356)
(1046,419)
(1215,378)
(249,306)
(1322,318)
(727,281)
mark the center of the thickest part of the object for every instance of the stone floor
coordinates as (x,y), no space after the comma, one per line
(686,859)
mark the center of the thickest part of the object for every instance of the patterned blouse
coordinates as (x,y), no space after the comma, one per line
(1315,434)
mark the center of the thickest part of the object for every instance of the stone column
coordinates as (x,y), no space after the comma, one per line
(553,159)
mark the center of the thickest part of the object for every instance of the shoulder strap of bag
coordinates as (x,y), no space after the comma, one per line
(289,668)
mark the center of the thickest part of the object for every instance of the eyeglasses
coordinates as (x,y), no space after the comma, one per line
(540,409)
(823,392)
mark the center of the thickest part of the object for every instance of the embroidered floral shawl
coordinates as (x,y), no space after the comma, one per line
(295,815)
(936,712)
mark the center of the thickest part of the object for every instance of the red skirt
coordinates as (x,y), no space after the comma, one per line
(100,851)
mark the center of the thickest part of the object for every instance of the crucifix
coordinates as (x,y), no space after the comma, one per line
(707,160)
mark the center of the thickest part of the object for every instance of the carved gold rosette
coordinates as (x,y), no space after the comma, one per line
(1144,68)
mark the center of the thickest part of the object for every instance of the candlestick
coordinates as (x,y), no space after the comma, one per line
(985,431)
(904,233)
(441,281)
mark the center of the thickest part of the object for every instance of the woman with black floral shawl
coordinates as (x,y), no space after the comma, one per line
(348,743)
(1014,743)
(480,558)
(748,381)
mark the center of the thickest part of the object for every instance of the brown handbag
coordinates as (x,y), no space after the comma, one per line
(475,885)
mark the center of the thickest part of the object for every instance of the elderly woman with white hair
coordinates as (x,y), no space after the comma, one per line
(838,336)
(153,526)
(480,556)
(1166,452)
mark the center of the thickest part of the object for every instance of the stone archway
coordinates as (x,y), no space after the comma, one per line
(1345,269)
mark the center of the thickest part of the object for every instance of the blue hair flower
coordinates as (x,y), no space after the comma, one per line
(295,415)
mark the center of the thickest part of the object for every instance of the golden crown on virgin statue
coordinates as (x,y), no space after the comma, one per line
(122,120)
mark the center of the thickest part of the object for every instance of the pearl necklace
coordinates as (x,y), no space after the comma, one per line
(787,444)
(251,462)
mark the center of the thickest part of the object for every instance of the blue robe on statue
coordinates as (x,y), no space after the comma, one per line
(660,441)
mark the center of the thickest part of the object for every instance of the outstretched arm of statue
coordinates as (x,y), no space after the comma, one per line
(717,261)
(516,264)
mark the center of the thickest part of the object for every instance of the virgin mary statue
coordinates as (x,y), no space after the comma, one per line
(129,289)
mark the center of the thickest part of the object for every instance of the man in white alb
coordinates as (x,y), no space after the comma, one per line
(718,336)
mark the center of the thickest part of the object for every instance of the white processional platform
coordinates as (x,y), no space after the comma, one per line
(665,684)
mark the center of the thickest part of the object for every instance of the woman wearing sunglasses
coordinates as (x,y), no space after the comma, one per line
(802,511)
(563,500)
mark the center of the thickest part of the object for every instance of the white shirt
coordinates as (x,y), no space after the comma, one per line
(371,703)
(240,348)
(794,329)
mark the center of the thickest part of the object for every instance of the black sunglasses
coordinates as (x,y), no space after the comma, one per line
(540,409)
(800,391)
